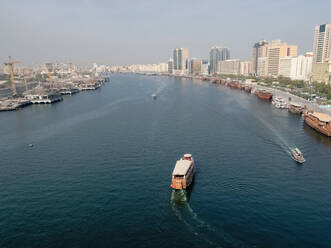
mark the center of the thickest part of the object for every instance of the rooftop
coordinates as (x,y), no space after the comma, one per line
(181,167)
(322,117)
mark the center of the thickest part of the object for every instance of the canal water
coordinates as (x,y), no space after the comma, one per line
(99,171)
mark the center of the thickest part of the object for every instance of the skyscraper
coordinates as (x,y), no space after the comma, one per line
(180,60)
(322,43)
(195,66)
(259,50)
(217,54)
(170,66)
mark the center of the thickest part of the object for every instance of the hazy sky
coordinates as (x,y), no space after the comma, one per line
(145,31)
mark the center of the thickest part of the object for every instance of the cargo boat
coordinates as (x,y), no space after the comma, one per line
(295,108)
(183,173)
(264,95)
(319,121)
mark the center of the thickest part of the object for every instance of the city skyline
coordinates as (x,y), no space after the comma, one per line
(45,31)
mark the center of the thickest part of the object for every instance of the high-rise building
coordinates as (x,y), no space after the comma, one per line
(322,43)
(195,66)
(180,59)
(275,51)
(204,66)
(217,54)
(170,66)
(262,66)
(259,50)
(296,68)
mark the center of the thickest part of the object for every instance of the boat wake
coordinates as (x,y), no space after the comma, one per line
(276,137)
(202,230)
(160,88)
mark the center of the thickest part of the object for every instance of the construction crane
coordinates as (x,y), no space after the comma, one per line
(25,81)
(11,71)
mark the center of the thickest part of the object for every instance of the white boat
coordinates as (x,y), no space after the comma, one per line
(297,155)
(183,173)
(279,103)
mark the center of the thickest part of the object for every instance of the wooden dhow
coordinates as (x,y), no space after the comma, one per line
(295,108)
(183,173)
(264,95)
(319,121)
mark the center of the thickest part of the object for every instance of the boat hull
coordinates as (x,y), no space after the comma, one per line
(265,96)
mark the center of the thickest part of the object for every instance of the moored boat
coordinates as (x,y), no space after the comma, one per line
(279,103)
(248,88)
(295,108)
(297,155)
(154,97)
(183,173)
(319,121)
(264,95)
(233,85)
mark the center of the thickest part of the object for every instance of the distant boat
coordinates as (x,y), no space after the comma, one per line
(183,173)
(297,155)
(154,97)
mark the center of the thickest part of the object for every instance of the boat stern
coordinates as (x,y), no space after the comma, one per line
(178,183)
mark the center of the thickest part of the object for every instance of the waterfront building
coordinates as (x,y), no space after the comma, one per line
(217,54)
(204,67)
(149,68)
(180,60)
(195,66)
(230,66)
(162,68)
(322,43)
(245,68)
(322,72)
(235,67)
(297,68)
(170,66)
(259,50)
(322,54)
(277,50)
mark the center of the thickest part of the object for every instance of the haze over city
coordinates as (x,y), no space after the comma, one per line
(191,124)
(129,32)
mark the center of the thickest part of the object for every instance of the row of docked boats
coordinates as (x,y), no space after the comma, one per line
(48,93)
(321,122)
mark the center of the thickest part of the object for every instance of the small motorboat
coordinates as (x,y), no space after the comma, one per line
(297,155)
(154,97)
